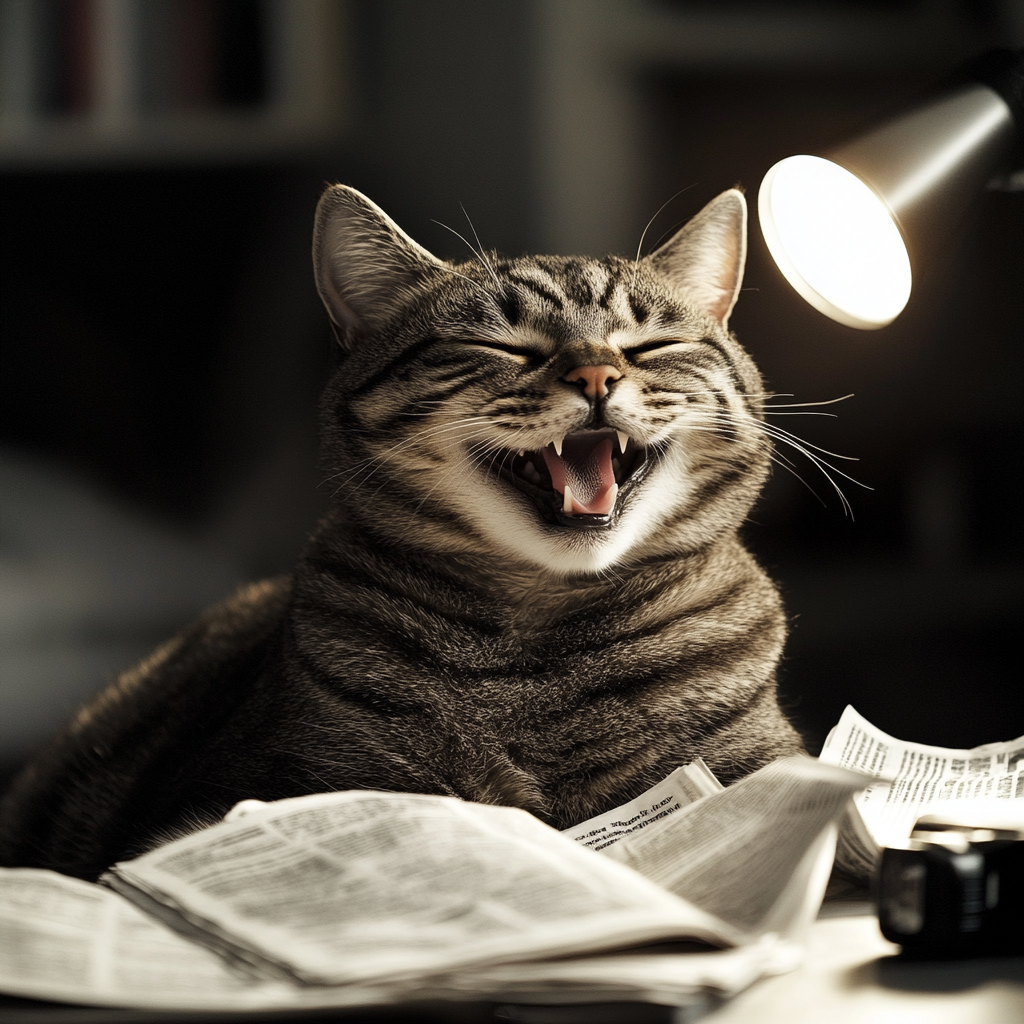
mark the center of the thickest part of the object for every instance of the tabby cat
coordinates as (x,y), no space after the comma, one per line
(529,588)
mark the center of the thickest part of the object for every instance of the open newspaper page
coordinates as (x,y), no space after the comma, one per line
(65,939)
(655,976)
(365,887)
(912,780)
(757,854)
(649,810)
(68,940)
(432,879)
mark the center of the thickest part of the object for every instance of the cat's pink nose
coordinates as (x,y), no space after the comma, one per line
(595,379)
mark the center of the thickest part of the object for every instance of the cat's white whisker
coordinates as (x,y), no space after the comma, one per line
(824,468)
(785,437)
(647,227)
(478,256)
(783,463)
(466,459)
(796,405)
(480,248)
(428,432)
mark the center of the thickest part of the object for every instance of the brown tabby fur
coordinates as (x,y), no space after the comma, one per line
(447,629)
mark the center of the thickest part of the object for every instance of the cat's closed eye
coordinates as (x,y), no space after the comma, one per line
(522,354)
(658,345)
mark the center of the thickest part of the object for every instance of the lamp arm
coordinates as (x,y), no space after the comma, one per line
(1002,70)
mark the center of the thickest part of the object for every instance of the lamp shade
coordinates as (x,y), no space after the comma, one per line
(849,228)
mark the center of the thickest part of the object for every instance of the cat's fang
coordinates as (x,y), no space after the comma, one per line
(591,467)
(557,445)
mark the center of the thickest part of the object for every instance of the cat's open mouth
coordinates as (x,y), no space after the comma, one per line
(581,482)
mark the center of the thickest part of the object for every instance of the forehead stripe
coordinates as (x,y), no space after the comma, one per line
(639,310)
(605,300)
(511,306)
(539,289)
(578,286)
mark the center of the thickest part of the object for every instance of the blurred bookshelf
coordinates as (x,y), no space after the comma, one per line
(97,83)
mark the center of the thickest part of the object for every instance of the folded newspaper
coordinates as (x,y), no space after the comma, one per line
(683,896)
(983,786)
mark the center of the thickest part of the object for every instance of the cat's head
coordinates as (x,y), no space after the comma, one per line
(566,412)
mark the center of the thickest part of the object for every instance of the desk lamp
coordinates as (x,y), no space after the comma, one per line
(846,228)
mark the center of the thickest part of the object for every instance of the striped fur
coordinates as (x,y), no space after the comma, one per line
(444,632)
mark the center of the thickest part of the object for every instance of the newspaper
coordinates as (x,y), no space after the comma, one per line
(65,939)
(367,886)
(678,790)
(682,896)
(363,897)
(981,786)
(780,824)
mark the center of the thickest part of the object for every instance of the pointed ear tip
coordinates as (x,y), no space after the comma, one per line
(340,196)
(341,207)
(736,194)
(330,199)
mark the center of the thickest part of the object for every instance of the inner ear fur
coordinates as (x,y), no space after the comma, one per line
(365,265)
(704,260)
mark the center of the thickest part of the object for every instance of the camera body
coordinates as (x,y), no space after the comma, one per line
(954,891)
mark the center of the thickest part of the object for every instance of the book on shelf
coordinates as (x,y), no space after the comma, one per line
(105,59)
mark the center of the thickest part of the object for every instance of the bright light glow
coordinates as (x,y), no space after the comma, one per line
(835,241)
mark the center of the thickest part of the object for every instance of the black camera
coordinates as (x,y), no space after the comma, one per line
(955,890)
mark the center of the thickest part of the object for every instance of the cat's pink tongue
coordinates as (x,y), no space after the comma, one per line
(583,475)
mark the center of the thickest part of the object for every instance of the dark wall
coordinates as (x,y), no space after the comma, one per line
(446,120)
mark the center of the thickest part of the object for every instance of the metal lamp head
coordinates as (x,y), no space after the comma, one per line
(846,228)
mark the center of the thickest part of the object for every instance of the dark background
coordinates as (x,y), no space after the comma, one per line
(163,344)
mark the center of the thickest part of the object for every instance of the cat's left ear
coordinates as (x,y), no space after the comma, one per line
(704,260)
(365,264)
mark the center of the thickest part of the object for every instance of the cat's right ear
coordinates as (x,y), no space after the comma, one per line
(365,264)
(704,259)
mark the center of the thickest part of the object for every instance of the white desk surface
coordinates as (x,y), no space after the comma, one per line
(851,977)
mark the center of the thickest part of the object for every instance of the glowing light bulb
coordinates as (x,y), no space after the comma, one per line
(835,241)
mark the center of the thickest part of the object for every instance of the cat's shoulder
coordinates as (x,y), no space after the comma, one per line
(69,801)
